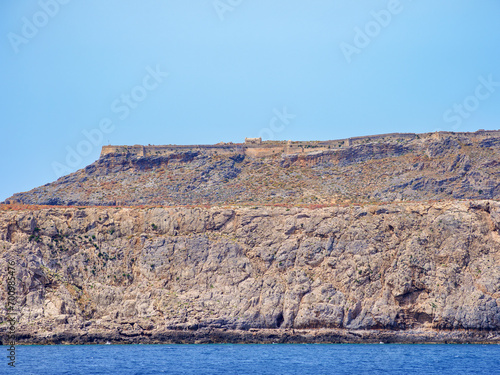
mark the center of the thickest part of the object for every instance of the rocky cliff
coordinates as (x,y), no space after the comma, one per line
(405,272)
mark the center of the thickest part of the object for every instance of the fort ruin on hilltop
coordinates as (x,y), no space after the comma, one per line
(255,147)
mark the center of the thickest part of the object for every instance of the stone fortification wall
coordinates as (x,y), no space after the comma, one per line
(226,149)
(136,150)
(382,137)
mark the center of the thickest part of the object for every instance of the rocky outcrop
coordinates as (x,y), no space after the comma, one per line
(401,272)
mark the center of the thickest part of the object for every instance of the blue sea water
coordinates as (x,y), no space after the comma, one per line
(255,359)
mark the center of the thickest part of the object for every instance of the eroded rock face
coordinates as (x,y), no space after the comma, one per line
(133,272)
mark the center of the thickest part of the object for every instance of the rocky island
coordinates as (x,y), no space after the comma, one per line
(391,238)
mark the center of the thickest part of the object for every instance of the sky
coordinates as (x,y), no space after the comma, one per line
(77,75)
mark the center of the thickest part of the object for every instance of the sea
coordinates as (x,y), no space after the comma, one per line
(303,359)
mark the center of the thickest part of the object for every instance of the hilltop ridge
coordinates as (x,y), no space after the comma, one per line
(255,147)
(382,168)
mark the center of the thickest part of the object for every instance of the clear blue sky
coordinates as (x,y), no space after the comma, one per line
(205,71)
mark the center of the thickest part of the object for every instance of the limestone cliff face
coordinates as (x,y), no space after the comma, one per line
(128,272)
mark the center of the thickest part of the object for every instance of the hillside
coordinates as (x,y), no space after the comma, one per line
(400,272)
(437,166)
(392,238)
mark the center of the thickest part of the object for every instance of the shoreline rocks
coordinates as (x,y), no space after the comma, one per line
(268,336)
